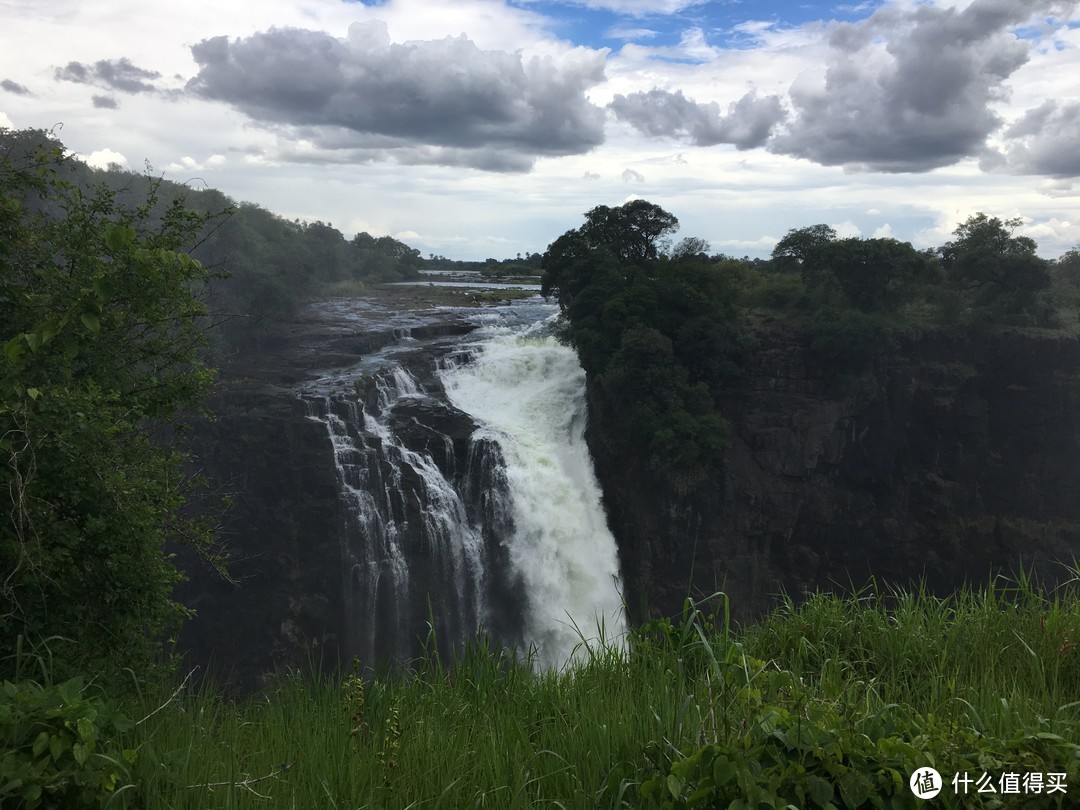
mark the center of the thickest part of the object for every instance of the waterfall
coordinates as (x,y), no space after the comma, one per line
(529,395)
(469,504)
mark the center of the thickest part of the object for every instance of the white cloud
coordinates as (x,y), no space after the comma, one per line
(628,33)
(189,164)
(102,158)
(847,229)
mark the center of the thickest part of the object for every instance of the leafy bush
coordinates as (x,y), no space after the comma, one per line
(102,338)
(59,747)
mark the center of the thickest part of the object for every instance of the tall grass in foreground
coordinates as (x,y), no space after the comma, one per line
(829,704)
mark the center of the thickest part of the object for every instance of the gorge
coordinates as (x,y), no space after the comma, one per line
(433,484)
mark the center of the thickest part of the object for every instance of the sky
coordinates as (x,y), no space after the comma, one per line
(487,128)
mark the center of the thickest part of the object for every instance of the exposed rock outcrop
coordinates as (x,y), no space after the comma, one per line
(957,457)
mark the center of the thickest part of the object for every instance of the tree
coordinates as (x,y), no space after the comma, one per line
(999,272)
(791,251)
(629,235)
(653,335)
(691,248)
(873,274)
(101,333)
(632,232)
(1067,267)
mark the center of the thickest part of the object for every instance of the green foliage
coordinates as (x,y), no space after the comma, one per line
(262,266)
(998,274)
(632,231)
(839,699)
(654,334)
(863,691)
(59,747)
(101,336)
(872,274)
(690,249)
(797,244)
(847,341)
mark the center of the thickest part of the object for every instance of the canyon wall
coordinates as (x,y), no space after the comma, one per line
(954,458)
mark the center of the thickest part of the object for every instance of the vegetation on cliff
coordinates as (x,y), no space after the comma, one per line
(101,325)
(653,333)
(658,329)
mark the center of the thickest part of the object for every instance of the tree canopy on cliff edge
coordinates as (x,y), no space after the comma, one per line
(101,329)
(657,329)
(654,333)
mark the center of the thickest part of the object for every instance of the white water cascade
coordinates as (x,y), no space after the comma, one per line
(469,502)
(528,393)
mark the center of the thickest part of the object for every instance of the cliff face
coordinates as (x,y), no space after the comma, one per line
(955,458)
(286,532)
(282,535)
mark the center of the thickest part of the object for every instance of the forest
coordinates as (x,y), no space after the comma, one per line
(121,293)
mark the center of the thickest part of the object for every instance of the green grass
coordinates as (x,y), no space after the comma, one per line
(831,703)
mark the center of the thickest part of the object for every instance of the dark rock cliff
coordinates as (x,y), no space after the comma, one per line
(281,535)
(955,458)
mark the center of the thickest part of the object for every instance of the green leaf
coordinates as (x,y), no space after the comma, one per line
(119,237)
(91,321)
(33,393)
(80,753)
(86,729)
(821,792)
(674,785)
(14,349)
(41,742)
(104,288)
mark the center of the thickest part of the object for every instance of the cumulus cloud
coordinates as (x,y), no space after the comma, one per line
(189,164)
(1046,140)
(746,124)
(14,87)
(435,101)
(630,176)
(103,158)
(910,87)
(105,102)
(847,229)
(114,74)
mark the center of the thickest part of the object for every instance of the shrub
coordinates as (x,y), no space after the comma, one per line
(59,747)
